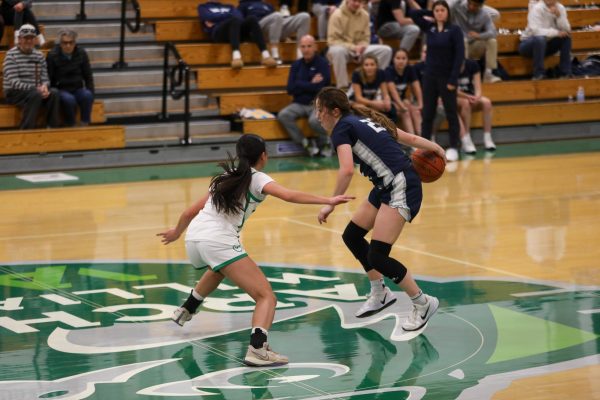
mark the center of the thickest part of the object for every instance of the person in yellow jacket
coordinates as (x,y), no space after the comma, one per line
(348,37)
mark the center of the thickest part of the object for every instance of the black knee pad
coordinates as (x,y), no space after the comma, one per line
(379,258)
(354,238)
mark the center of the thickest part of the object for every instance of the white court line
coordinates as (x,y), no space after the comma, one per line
(592,311)
(425,253)
(540,293)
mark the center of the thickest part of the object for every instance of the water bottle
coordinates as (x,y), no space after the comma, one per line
(580,94)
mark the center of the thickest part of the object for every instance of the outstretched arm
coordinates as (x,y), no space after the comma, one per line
(419,142)
(295,196)
(344,178)
(186,217)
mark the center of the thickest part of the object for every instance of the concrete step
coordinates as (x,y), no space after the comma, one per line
(200,105)
(97,32)
(123,81)
(68,10)
(172,130)
(135,56)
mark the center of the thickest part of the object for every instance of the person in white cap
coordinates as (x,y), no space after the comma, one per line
(26,82)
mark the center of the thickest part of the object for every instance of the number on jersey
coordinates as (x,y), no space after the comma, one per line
(376,127)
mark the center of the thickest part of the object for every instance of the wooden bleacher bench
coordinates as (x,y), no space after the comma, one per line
(10,116)
(504,115)
(511,4)
(248,77)
(163,9)
(502,92)
(220,53)
(61,139)
(581,40)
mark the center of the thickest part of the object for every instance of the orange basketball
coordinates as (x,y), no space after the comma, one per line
(428,165)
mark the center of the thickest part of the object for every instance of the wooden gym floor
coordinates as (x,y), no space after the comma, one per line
(509,245)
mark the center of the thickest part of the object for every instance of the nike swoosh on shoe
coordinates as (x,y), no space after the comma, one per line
(425,315)
(384,297)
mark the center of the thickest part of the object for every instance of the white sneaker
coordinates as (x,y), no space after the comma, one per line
(451,154)
(284,11)
(376,302)
(488,77)
(488,142)
(181,316)
(421,314)
(467,144)
(264,357)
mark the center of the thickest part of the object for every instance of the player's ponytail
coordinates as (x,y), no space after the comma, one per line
(376,117)
(228,190)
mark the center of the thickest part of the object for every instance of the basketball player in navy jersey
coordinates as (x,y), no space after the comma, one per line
(373,142)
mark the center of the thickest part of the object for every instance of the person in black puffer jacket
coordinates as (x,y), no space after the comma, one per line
(70,72)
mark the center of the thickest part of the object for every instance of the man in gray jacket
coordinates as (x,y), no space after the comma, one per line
(480,34)
(26,82)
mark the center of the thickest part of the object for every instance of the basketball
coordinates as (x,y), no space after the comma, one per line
(428,165)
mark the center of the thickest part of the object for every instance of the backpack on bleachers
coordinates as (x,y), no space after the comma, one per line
(588,67)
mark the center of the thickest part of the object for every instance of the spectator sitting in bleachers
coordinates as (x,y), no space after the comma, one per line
(469,99)
(307,77)
(479,34)
(399,77)
(322,9)
(225,24)
(492,12)
(370,89)
(548,31)
(70,72)
(26,82)
(393,23)
(17,13)
(348,37)
(274,26)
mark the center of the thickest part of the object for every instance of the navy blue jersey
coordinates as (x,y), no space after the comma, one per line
(370,90)
(465,79)
(378,154)
(385,13)
(401,81)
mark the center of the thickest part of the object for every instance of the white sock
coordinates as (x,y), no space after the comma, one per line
(275,52)
(419,299)
(488,71)
(377,286)
(197,295)
(236,54)
(265,54)
(41,39)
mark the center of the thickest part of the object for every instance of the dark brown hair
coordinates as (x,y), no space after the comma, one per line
(332,98)
(228,190)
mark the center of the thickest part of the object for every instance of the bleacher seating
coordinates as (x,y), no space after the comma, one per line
(61,139)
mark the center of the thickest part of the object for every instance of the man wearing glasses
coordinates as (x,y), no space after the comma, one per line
(70,72)
(26,82)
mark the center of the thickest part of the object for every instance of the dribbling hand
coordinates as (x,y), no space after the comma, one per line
(168,236)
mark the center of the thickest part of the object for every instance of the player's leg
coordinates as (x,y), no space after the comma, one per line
(379,296)
(206,284)
(248,277)
(388,226)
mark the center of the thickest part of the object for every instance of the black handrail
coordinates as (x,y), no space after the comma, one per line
(176,76)
(81,16)
(132,28)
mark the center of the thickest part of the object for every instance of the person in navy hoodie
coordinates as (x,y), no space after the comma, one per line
(274,26)
(445,55)
(399,77)
(225,24)
(307,76)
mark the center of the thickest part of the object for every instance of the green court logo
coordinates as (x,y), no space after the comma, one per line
(101,330)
